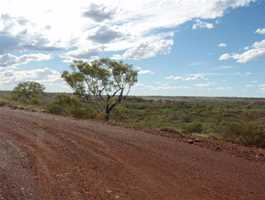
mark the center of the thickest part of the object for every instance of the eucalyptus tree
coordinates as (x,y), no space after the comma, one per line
(105,82)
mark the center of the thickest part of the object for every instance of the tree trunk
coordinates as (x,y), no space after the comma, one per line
(107,111)
(107,115)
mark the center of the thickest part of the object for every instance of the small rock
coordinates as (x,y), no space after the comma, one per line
(197,140)
(218,149)
(190,141)
(109,191)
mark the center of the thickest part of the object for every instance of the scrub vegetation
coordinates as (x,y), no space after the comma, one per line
(101,89)
(238,120)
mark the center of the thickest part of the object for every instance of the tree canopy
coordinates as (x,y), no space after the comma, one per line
(105,82)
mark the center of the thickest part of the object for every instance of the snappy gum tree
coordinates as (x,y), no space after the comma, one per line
(105,82)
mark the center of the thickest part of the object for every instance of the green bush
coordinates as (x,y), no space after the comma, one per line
(83,112)
(55,108)
(28,92)
(70,105)
(193,127)
(120,112)
(63,104)
(3,103)
(245,133)
(67,101)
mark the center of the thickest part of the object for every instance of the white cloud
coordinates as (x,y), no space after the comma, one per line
(73,24)
(14,75)
(260,31)
(259,45)
(191,77)
(99,13)
(8,60)
(225,56)
(199,24)
(105,34)
(80,54)
(150,47)
(142,72)
(257,50)
(222,45)
(19,33)
(246,48)
(203,85)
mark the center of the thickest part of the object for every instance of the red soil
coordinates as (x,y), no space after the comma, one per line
(50,157)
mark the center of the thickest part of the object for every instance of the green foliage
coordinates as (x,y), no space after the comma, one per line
(233,120)
(245,133)
(3,102)
(120,112)
(104,82)
(56,108)
(85,112)
(28,92)
(194,127)
(71,105)
(237,120)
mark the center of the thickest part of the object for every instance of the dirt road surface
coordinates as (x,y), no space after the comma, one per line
(46,157)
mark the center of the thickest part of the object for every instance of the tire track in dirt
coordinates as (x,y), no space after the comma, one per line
(61,158)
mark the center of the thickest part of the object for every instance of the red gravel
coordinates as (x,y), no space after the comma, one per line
(49,157)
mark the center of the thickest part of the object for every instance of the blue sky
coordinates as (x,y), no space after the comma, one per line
(187,48)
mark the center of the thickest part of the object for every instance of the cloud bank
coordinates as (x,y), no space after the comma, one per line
(38,31)
(120,27)
(256,50)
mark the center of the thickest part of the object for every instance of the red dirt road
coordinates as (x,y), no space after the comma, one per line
(46,157)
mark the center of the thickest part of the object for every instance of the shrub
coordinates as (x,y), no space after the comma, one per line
(84,112)
(55,108)
(3,103)
(246,133)
(63,104)
(100,116)
(120,112)
(67,100)
(29,92)
(70,105)
(194,127)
